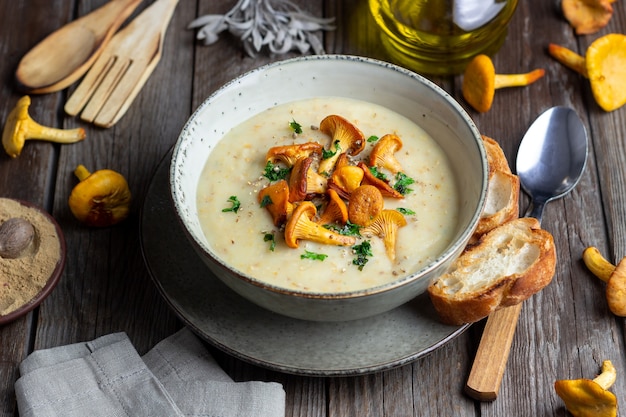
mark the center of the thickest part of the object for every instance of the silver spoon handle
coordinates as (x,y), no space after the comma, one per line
(535,209)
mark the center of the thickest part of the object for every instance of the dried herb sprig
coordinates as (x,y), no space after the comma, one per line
(279,25)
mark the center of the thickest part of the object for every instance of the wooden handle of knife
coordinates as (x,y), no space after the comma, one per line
(492,354)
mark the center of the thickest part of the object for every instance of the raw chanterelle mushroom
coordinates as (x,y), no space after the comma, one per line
(587,16)
(20,127)
(603,64)
(345,138)
(590,398)
(614,276)
(301,226)
(100,199)
(480,82)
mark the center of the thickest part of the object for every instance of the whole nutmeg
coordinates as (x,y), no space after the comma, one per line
(16,234)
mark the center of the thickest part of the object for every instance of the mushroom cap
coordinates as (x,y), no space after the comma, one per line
(300,226)
(616,290)
(587,16)
(350,137)
(14,133)
(102,199)
(383,153)
(365,204)
(346,179)
(305,182)
(606,58)
(385,226)
(585,398)
(336,210)
(280,208)
(478,86)
(384,187)
(290,154)
(345,138)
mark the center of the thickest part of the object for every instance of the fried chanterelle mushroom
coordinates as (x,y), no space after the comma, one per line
(326,195)
(344,137)
(590,398)
(301,226)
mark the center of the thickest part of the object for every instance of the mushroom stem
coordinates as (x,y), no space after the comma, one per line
(597,264)
(608,375)
(20,127)
(81,172)
(569,58)
(517,80)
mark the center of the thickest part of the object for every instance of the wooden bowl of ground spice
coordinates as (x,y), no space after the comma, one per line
(32,257)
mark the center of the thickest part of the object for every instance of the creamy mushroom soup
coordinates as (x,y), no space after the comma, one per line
(233,175)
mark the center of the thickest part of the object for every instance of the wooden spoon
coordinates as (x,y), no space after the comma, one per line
(67,53)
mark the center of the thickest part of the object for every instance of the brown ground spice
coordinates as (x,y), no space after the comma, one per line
(21,279)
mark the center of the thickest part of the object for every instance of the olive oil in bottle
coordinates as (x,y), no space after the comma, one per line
(439,37)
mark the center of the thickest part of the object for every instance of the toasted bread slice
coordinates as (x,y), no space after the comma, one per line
(506,266)
(502,203)
(503,191)
(495,156)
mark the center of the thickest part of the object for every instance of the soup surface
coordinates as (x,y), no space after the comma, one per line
(235,169)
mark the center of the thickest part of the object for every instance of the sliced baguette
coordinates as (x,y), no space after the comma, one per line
(505,267)
(495,156)
(503,191)
(502,203)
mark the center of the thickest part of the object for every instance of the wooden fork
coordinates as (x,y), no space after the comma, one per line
(122,69)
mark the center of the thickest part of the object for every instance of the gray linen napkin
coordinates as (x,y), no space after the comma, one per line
(106,377)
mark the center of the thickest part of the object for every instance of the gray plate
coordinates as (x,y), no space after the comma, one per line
(258,336)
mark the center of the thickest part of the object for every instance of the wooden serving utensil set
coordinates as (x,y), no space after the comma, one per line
(117,63)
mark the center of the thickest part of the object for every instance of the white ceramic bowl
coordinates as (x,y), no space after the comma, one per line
(331,75)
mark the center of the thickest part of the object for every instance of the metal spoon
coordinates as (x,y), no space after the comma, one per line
(551,157)
(550,162)
(67,53)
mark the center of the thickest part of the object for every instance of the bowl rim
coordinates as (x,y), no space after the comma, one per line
(354,294)
(55,276)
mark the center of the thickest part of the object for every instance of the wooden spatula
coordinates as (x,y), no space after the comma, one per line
(66,54)
(125,65)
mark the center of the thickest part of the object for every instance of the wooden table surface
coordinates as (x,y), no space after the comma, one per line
(564,332)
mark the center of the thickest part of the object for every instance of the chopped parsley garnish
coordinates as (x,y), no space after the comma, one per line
(372,138)
(295,126)
(349,229)
(380,175)
(402,183)
(313,256)
(329,153)
(405,211)
(362,251)
(235,204)
(266,201)
(275,172)
(269,237)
